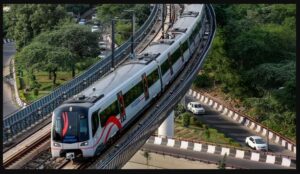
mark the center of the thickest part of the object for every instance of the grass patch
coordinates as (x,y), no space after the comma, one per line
(42,77)
(201,132)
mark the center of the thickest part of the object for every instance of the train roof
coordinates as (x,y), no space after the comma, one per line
(193,7)
(131,67)
(113,79)
(156,48)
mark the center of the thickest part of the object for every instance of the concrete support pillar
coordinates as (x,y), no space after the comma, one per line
(166,129)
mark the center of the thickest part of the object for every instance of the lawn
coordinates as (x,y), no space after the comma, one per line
(46,84)
(198,131)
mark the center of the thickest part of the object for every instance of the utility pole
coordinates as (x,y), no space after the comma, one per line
(133,31)
(162,20)
(112,43)
(170,14)
(132,37)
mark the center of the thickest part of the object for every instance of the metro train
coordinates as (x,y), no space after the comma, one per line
(89,121)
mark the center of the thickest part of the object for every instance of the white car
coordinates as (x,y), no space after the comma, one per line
(257,143)
(195,108)
(82,22)
(95,28)
(102,56)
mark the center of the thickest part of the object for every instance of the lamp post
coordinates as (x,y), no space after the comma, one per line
(112,42)
(133,31)
(162,20)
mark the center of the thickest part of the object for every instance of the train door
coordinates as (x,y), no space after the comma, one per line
(121,106)
(170,63)
(145,86)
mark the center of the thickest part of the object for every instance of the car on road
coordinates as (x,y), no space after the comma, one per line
(82,22)
(94,17)
(257,143)
(103,45)
(95,28)
(195,108)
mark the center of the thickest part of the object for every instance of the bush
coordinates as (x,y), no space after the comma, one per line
(203,81)
(198,123)
(21,83)
(193,120)
(21,95)
(36,91)
(180,109)
(186,119)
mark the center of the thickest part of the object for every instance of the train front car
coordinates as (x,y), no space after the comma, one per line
(70,131)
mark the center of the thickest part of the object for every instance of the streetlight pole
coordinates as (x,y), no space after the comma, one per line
(170,14)
(133,31)
(162,20)
(112,42)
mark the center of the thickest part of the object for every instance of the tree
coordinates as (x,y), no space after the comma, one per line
(77,9)
(57,58)
(77,39)
(26,21)
(41,56)
(253,59)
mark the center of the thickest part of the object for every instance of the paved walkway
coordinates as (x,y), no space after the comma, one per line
(9,106)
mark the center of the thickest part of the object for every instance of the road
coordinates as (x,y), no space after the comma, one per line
(8,104)
(233,129)
(230,161)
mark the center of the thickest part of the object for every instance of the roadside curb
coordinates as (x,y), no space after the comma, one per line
(7,41)
(222,150)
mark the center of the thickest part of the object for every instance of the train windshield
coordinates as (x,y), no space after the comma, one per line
(70,126)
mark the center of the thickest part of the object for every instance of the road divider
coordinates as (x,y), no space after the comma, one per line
(206,147)
(7,41)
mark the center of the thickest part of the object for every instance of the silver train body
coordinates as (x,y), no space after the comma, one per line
(87,123)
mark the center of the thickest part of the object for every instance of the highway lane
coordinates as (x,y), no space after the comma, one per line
(230,161)
(233,129)
(9,106)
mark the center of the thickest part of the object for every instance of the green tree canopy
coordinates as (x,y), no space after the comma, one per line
(26,21)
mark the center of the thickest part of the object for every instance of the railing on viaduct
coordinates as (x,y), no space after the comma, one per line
(39,110)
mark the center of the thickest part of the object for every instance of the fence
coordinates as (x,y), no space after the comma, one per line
(20,120)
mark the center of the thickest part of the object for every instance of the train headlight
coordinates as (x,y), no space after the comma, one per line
(56,144)
(84,143)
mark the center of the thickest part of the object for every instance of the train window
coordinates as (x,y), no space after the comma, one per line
(95,122)
(164,67)
(185,46)
(170,63)
(133,93)
(83,129)
(152,77)
(111,110)
(176,55)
